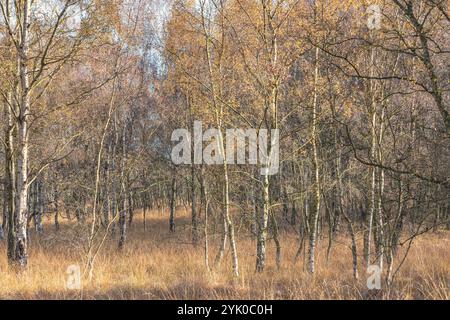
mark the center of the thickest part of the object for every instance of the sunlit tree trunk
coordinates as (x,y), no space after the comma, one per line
(262,227)
(21,247)
(218,107)
(10,178)
(368,228)
(316,202)
(379,210)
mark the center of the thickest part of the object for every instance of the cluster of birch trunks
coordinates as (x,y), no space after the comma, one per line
(363,114)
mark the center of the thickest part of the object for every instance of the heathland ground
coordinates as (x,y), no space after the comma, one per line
(156,264)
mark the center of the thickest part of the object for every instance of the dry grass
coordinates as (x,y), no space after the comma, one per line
(158,265)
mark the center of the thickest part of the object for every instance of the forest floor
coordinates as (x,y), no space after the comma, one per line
(156,264)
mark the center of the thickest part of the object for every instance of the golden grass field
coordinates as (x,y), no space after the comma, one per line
(158,265)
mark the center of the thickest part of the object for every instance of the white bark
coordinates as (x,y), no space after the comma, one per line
(316,210)
(21,250)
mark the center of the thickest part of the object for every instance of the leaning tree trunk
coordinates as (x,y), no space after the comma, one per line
(223,242)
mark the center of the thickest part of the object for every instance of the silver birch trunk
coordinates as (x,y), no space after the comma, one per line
(21,247)
(38,206)
(371,207)
(55,201)
(194,208)
(124,205)
(219,119)
(262,227)
(316,210)
(205,204)
(173,191)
